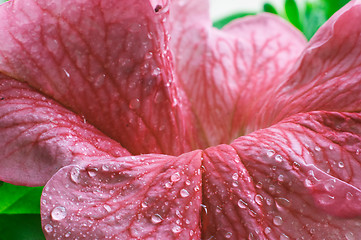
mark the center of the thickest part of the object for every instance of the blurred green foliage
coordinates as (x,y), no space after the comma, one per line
(20,212)
(307,18)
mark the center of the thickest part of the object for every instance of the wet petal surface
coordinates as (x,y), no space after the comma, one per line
(39,136)
(143,197)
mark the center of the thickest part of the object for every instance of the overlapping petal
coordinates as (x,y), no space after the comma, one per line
(225,73)
(327,75)
(39,136)
(106,60)
(144,197)
(297,179)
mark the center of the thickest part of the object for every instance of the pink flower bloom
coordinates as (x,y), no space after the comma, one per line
(94,93)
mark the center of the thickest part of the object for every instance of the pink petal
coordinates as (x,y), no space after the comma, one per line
(39,136)
(297,179)
(327,75)
(107,60)
(143,197)
(226,73)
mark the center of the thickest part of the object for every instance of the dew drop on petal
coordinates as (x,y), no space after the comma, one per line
(349,236)
(270,153)
(284,237)
(107,207)
(235,176)
(92,173)
(144,204)
(156,219)
(156,71)
(277,221)
(228,235)
(58,213)
(176,229)
(184,193)
(349,196)
(48,228)
(175,177)
(75,175)
(278,158)
(258,199)
(242,204)
(168,185)
(267,230)
(134,103)
(341,165)
(105,168)
(317,148)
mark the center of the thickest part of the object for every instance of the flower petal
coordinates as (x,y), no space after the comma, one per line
(224,73)
(142,197)
(297,179)
(39,136)
(327,75)
(107,60)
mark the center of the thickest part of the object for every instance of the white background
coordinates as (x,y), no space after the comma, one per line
(222,8)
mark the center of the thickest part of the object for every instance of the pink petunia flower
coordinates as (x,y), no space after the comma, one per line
(146,123)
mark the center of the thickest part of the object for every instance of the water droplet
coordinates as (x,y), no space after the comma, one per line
(258,199)
(92,173)
(349,196)
(204,208)
(48,228)
(105,168)
(325,199)
(191,233)
(329,186)
(270,153)
(317,148)
(228,235)
(134,103)
(330,147)
(175,177)
(235,184)
(168,185)
(259,185)
(184,193)
(107,208)
(67,234)
(75,174)
(242,204)
(267,230)
(176,229)
(284,237)
(156,219)
(58,213)
(358,152)
(341,165)
(283,202)
(349,236)
(296,165)
(196,188)
(235,176)
(278,158)
(144,204)
(156,71)
(177,212)
(281,178)
(188,182)
(66,72)
(278,221)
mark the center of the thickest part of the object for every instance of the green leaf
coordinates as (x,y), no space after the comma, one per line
(315,16)
(19,199)
(20,227)
(267,7)
(333,6)
(224,21)
(293,13)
